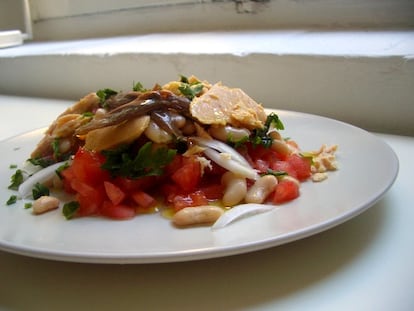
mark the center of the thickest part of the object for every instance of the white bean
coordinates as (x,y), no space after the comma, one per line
(196,215)
(261,189)
(235,188)
(45,204)
(178,120)
(281,147)
(287,177)
(157,134)
(227,132)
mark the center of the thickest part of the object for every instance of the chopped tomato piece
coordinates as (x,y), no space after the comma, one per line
(114,193)
(90,198)
(188,175)
(283,166)
(301,166)
(213,192)
(143,199)
(142,183)
(285,191)
(196,198)
(88,206)
(120,212)
(86,167)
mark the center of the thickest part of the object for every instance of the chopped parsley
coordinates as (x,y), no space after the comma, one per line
(11,200)
(12,166)
(55,148)
(138,87)
(16,180)
(42,162)
(28,205)
(88,114)
(190,90)
(148,161)
(61,168)
(261,136)
(275,173)
(39,190)
(69,209)
(104,94)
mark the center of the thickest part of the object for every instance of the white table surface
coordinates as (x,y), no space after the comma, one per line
(366,263)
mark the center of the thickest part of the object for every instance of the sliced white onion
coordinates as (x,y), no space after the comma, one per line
(240,211)
(231,165)
(223,147)
(42,176)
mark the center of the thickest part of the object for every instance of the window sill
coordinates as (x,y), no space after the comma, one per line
(360,77)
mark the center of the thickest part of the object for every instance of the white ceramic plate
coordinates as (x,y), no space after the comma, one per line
(368,168)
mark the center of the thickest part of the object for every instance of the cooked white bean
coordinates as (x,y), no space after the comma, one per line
(64,145)
(287,177)
(235,188)
(203,214)
(227,132)
(45,204)
(157,134)
(281,147)
(178,120)
(261,189)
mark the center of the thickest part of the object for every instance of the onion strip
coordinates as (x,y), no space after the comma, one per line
(240,211)
(220,146)
(227,157)
(230,164)
(42,176)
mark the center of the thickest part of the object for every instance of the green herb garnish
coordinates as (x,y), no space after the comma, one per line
(11,200)
(138,87)
(190,90)
(148,161)
(104,94)
(61,168)
(42,162)
(275,173)
(16,180)
(69,209)
(88,114)
(39,190)
(28,205)
(261,136)
(55,148)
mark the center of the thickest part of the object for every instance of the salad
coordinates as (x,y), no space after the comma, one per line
(198,153)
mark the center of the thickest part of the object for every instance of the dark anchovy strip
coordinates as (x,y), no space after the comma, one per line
(142,105)
(164,121)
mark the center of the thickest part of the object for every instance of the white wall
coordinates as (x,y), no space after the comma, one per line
(11,15)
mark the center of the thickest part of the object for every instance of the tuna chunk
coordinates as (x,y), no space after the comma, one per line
(222,105)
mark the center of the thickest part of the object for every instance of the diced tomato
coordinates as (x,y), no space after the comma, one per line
(86,167)
(213,191)
(174,165)
(285,191)
(130,185)
(90,198)
(301,165)
(67,176)
(283,166)
(188,175)
(114,193)
(169,191)
(143,199)
(88,206)
(120,212)
(196,198)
